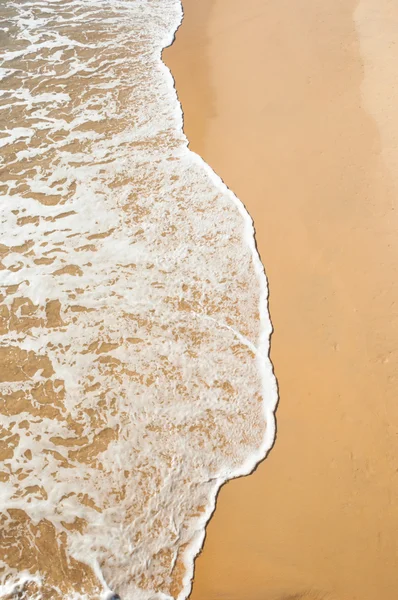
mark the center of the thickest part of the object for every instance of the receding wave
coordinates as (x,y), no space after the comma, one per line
(135,376)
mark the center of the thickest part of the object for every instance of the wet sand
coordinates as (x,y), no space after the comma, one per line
(293,105)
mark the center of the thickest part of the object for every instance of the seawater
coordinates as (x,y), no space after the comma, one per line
(135,376)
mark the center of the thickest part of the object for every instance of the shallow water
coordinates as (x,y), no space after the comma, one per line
(135,374)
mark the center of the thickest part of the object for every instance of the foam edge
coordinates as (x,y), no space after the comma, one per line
(265,367)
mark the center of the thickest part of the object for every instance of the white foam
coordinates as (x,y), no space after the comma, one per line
(173,280)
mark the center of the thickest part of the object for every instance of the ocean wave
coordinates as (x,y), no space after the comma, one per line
(135,331)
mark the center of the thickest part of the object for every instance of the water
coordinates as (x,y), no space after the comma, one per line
(135,375)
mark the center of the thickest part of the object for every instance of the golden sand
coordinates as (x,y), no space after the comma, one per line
(292,104)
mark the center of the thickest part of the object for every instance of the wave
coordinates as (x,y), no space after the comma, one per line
(134,322)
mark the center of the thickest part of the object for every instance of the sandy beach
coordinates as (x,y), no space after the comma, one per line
(293,105)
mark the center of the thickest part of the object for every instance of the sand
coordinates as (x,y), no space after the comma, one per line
(293,105)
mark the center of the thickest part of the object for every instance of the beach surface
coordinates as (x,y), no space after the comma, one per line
(293,104)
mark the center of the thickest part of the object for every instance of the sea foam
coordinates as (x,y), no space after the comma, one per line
(134,325)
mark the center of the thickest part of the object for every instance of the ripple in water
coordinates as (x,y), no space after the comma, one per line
(134,328)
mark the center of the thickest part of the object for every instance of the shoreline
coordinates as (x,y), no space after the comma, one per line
(272,101)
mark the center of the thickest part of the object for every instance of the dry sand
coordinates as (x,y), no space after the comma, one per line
(293,105)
